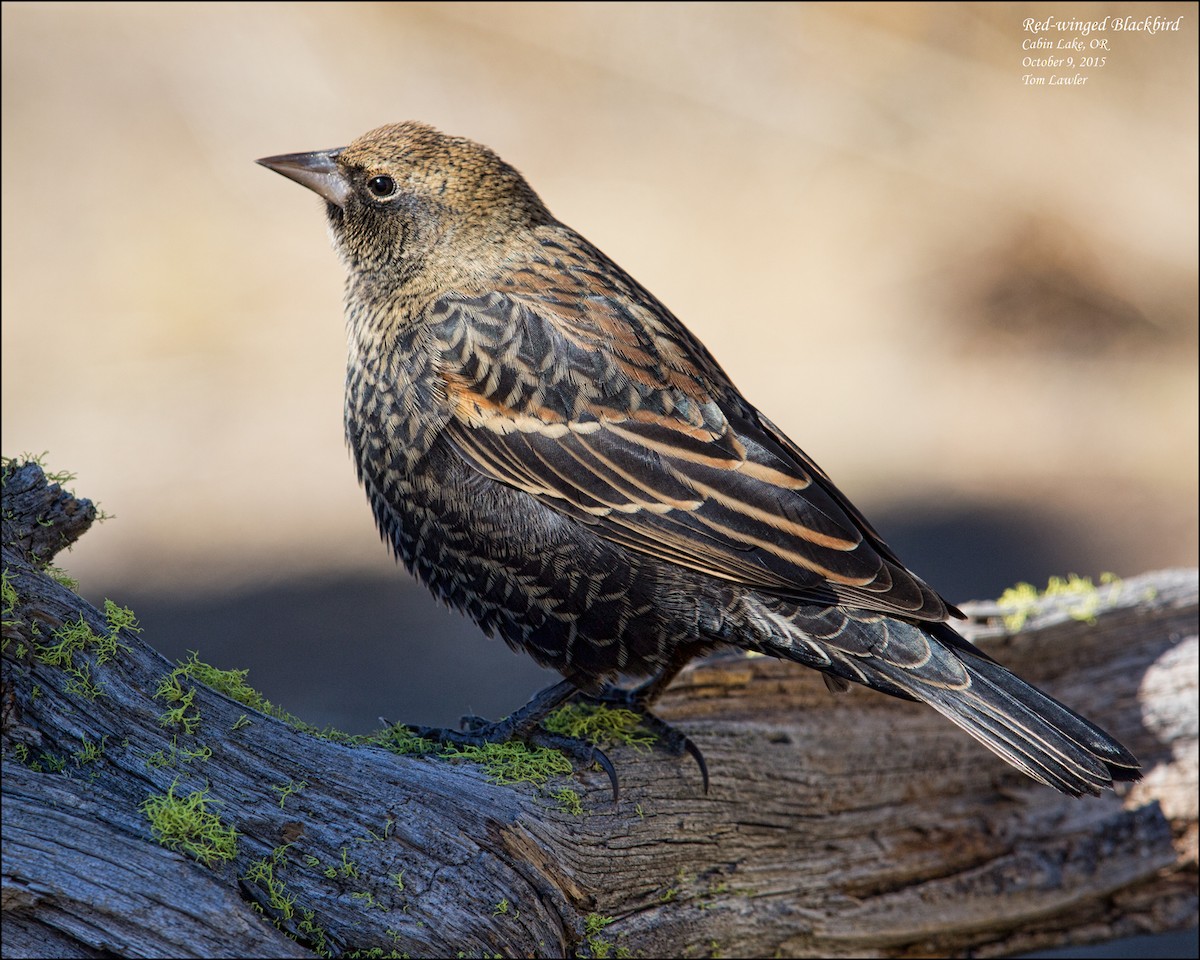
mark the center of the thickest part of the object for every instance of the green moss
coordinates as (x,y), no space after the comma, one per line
(232,683)
(1024,599)
(74,641)
(512,762)
(368,900)
(600,724)
(400,740)
(505,763)
(11,463)
(682,879)
(348,868)
(263,874)
(285,790)
(597,946)
(60,477)
(89,751)
(177,755)
(176,690)
(183,712)
(185,823)
(569,801)
(8,598)
(49,763)
(61,577)
(72,638)
(80,684)
(119,618)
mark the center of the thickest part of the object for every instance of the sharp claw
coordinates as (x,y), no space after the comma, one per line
(699,758)
(606,765)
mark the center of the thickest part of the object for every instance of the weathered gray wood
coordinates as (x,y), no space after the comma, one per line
(850,825)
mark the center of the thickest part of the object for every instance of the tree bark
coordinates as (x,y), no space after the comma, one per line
(836,825)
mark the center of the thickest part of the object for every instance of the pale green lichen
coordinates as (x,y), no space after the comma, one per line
(61,577)
(183,713)
(285,790)
(8,598)
(348,868)
(512,762)
(569,801)
(600,724)
(399,739)
(596,946)
(368,900)
(177,754)
(75,640)
(61,477)
(175,688)
(262,874)
(1084,598)
(185,823)
(89,751)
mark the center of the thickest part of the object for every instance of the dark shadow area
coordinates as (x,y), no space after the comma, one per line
(344,652)
(975,551)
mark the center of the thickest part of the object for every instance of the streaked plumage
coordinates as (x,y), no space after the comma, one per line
(549,449)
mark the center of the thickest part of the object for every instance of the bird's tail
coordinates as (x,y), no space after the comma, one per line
(933,664)
(1030,729)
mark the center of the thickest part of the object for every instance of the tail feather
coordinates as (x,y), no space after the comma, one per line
(931,663)
(1028,732)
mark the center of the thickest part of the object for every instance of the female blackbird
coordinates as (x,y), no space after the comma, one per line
(549,449)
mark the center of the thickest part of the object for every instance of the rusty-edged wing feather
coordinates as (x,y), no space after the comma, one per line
(618,418)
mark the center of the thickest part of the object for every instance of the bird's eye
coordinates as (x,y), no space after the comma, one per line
(381,187)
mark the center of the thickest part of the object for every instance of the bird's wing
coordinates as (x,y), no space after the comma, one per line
(612,414)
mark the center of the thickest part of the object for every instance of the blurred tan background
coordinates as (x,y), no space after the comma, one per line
(973,301)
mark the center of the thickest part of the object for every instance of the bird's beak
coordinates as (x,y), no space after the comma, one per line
(318,171)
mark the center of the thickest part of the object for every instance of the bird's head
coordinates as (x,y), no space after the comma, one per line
(405,197)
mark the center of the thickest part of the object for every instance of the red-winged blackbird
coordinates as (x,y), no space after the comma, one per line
(550,450)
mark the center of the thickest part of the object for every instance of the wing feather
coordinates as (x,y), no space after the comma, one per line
(634,430)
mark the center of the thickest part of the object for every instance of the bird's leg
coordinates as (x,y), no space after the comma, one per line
(640,699)
(525,725)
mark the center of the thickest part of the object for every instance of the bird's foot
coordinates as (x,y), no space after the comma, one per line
(579,751)
(525,726)
(666,737)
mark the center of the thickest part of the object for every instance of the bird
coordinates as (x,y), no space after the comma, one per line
(547,448)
